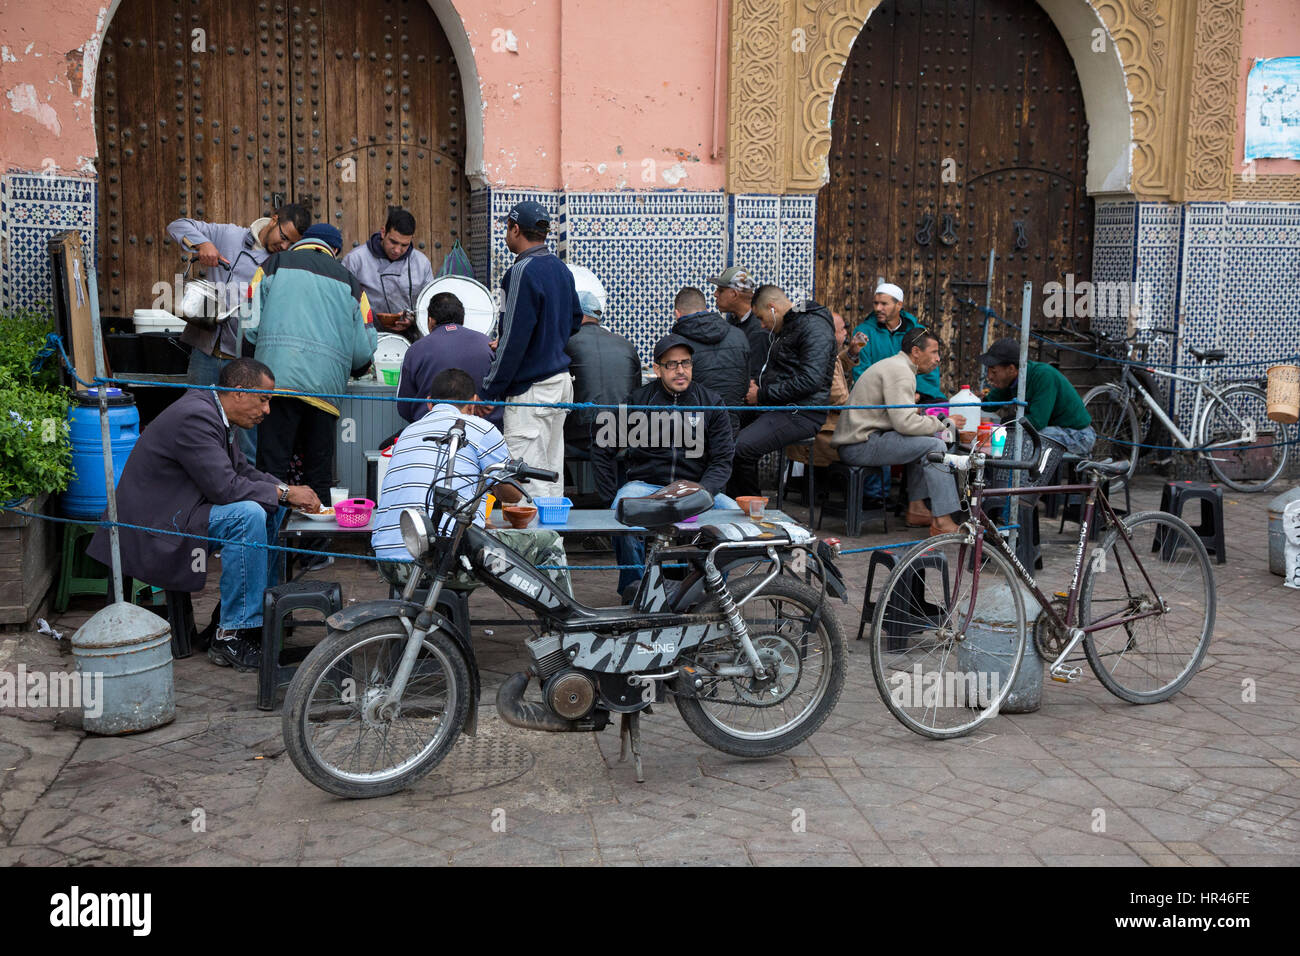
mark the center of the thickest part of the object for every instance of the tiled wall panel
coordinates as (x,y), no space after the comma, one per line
(33,208)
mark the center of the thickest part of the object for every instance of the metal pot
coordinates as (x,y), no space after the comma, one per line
(200,303)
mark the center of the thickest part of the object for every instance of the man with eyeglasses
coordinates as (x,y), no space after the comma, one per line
(661,446)
(232,254)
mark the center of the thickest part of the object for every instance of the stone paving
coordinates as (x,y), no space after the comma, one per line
(1206,779)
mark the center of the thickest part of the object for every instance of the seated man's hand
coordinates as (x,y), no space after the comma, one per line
(303,498)
(751,397)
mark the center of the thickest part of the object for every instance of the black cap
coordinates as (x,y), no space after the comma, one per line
(672,341)
(528,214)
(1002,352)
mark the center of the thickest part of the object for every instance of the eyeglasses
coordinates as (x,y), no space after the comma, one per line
(674,366)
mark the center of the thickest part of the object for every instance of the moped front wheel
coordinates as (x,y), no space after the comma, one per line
(340,733)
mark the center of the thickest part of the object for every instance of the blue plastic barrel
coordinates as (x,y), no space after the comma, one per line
(86,496)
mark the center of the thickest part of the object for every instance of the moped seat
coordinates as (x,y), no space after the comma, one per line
(670,504)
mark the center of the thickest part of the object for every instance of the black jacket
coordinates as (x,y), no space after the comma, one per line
(760,340)
(605,367)
(801,361)
(721,358)
(650,458)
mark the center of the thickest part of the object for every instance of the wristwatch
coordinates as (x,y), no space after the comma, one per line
(283,491)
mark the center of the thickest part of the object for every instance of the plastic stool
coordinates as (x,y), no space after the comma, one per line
(1175,495)
(180,617)
(784,466)
(901,623)
(279,603)
(452,604)
(81,574)
(855,482)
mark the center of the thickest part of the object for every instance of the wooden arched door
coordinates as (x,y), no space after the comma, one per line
(222,110)
(957,126)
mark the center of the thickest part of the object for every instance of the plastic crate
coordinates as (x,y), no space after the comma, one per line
(552,510)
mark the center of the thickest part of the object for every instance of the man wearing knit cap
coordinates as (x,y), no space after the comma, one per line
(312,326)
(881,337)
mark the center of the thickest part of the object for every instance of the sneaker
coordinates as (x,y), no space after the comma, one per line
(314,562)
(236,649)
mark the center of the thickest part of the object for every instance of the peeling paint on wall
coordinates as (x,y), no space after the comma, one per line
(674,174)
(22,99)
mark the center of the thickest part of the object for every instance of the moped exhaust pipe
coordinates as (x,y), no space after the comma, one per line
(517,712)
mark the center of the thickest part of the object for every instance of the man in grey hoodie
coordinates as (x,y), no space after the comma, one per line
(391,269)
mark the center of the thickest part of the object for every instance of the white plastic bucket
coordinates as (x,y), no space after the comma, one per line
(388,358)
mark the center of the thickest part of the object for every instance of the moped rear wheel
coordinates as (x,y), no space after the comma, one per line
(336,730)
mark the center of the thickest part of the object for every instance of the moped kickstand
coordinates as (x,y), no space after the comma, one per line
(629,738)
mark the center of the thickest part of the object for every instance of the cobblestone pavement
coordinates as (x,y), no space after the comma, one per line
(1206,779)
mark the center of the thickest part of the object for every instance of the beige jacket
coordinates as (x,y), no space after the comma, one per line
(890,381)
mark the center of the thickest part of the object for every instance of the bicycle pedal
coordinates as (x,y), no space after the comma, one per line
(1067,676)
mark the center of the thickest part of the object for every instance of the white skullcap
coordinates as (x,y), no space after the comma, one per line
(888,288)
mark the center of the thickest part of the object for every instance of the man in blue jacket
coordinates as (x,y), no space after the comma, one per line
(530,366)
(448,345)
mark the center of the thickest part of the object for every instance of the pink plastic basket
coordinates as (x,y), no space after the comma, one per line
(353,513)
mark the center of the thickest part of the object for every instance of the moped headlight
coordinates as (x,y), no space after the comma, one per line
(417,532)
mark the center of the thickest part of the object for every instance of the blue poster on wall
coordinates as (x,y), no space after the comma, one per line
(1273,109)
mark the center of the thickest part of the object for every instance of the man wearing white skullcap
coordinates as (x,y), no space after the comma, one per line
(881,337)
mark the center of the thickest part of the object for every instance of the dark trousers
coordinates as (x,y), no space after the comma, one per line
(768,432)
(292,424)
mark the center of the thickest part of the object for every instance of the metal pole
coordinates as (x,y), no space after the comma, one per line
(1026,303)
(109,484)
(988,305)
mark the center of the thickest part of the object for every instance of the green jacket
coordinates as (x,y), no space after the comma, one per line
(311,321)
(1052,400)
(882,343)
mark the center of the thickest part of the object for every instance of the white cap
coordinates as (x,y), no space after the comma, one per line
(888,288)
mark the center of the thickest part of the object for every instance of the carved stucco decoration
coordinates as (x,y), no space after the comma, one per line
(1180,69)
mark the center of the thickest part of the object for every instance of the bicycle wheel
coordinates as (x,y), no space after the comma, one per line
(333,730)
(947,637)
(1150,659)
(1240,414)
(1115,421)
(751,718)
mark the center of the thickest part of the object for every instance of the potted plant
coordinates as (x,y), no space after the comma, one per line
(35,461)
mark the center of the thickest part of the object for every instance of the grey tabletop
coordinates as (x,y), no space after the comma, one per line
(580,521)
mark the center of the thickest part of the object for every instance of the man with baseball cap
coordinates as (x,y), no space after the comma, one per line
(735,296)
(662,446)
(539,313)
(881,337)
(1053,404)
(605,368)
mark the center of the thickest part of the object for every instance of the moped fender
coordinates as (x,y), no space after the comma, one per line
(353,617)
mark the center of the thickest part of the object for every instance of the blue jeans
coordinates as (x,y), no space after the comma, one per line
(204,370)
(246,569)
(1077,441)
(630,548)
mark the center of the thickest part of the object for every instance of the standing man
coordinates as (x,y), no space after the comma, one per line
(881,337)
(448,345)
(541,311)
(235,252)
(735,296)
(391,270)
(187,473)
(721,350)
(671,445)
(605,367)
(797,372)
(312,325)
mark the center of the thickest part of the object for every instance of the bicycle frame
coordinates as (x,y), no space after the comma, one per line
(1096,496)
(1129,380)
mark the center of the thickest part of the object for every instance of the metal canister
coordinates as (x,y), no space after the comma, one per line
(126,651)
(986,651)
(1276,539)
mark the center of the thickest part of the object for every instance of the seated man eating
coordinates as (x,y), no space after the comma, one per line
(661,447)
(901,436)
(187,473)
(416,464)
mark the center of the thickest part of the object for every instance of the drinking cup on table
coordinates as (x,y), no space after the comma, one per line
(337,495)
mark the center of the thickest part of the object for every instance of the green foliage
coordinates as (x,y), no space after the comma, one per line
(35,452)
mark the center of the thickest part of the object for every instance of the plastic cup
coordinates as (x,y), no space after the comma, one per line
(337,495)
(489,503)
(756,508)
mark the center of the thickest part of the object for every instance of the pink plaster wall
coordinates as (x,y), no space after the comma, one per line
(1271,28)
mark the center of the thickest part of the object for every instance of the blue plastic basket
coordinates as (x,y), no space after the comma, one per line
(552,510)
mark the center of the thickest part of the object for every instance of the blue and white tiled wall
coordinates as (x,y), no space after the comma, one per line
(33,209)
(645,246)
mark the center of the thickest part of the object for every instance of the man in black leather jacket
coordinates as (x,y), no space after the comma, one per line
(798,373)
(605,367)
(721,350)
(662,446)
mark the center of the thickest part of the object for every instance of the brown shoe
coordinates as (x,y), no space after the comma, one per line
(918,515)
(943,525)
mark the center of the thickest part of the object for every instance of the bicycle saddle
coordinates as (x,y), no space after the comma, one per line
(670,504)
(1209,355)
(1105,467)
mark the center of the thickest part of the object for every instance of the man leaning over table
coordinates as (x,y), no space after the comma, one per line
(416,464)
(187,473)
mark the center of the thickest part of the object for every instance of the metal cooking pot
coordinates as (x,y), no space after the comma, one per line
(200,303)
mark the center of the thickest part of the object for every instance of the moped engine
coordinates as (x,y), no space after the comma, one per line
(570,693)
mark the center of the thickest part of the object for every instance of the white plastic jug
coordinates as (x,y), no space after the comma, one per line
(964,410)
